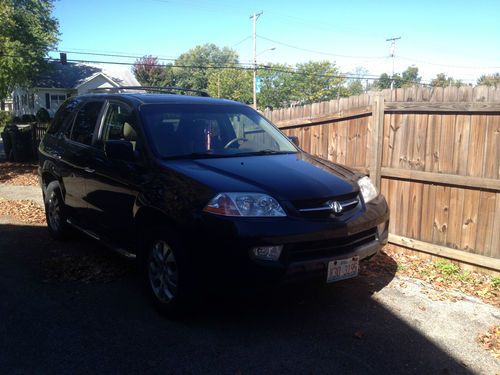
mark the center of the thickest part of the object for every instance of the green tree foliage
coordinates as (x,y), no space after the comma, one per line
(408,78)
(489,80)
(235,84)
(316,81)
(149,71)
(442,80)
(276,86)
(27,32)
(193,67)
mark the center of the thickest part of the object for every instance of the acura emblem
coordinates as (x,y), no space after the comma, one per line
(335,206)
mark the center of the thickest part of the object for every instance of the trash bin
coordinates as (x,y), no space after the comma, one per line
(17,140)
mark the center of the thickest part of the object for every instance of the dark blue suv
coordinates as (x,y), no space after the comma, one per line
(201,190)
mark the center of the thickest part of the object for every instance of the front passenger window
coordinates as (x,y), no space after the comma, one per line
(119,124)
(85,123)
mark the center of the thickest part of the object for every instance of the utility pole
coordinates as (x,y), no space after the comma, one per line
(255,16)
(393,50)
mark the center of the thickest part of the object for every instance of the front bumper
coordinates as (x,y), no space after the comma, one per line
(225,244)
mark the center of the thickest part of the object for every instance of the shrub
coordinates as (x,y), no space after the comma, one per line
(25,119)
(5,119)
(16,120)
(43,116)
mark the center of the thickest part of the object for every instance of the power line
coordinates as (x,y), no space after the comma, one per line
(318,52)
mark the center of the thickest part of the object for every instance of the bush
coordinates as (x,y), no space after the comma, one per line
(16,120)
(42,115)
(5,119)
(26,119)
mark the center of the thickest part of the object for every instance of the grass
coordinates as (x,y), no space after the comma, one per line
(496,281)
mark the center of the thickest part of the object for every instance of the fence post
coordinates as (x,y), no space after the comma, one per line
(377,138)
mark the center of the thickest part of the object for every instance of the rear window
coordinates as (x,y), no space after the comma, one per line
(62,115)
(85,123)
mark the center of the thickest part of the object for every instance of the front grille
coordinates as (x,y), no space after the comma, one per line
(303,251)
(321,209)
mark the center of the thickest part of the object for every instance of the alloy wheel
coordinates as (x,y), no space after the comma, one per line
(162,271)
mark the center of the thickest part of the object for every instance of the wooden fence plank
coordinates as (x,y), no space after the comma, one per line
(442,178)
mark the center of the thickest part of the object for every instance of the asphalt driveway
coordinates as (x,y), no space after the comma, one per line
(353,327)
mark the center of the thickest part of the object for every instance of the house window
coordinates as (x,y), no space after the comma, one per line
(31,101)
(24,100)
(47,100)
(57,100)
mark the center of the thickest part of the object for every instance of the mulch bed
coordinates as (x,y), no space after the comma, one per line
(19,173)
(25,211)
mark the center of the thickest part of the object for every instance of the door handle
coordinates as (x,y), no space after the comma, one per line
(89,170)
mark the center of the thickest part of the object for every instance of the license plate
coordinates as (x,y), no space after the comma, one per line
(341,269)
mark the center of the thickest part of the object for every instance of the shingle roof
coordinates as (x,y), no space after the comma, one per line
(72,75)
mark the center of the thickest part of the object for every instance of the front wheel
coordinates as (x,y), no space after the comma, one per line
(169,274)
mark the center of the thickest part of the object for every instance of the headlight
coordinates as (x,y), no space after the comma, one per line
(244,204)
(368,190)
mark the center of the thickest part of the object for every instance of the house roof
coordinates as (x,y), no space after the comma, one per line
(72,75)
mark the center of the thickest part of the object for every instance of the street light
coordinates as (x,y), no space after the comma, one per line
(255,73)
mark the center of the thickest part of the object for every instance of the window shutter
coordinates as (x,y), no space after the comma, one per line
(47,100)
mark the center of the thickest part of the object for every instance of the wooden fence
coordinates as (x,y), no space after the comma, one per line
(434,153)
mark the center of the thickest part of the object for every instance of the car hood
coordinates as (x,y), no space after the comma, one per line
(286,177)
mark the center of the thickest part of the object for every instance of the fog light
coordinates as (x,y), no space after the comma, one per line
(267,252)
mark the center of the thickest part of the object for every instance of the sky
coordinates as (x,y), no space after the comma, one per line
(458,38)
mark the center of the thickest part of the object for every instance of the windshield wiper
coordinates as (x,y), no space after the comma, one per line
(197,155)
(265,152)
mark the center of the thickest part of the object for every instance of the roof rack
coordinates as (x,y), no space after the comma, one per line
(162,89)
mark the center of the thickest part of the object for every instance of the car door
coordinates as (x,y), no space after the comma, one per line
(114,184)
(75,169)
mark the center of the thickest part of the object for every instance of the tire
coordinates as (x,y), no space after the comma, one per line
(56,212)
(169,274)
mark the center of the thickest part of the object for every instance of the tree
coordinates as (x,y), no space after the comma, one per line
(27,33)
(231,83)
(489,80)
(277,86)
(316,81)
(193,67)
(408,78)
(442,80)
(149,71)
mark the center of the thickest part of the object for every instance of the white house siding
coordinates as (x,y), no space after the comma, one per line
(38,100)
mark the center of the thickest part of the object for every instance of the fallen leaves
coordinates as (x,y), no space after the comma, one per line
(19,173)
(25,211)
(490,340)
(446,278)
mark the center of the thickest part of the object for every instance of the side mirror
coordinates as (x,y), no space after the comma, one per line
(294,139)
(119,149)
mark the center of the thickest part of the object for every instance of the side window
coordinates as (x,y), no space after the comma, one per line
(62,116)
(85,123)
(119,124)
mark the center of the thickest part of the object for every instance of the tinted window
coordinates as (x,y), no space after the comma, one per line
(119,123)
(182,130)
(85,122)
(62,115)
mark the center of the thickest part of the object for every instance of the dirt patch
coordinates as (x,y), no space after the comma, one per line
(490,341)
(446,278)
(19,173)
(25,211)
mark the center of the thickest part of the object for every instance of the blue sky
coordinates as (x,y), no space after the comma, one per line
(459,38)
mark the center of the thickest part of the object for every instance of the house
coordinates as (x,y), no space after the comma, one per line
(61,81)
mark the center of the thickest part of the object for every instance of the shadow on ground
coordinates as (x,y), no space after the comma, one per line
(107,325)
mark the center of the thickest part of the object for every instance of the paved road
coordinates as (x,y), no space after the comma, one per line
(77,327)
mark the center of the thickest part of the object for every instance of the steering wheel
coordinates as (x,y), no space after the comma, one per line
(235,140)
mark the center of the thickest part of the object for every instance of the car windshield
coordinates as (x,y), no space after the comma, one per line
(198,131)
